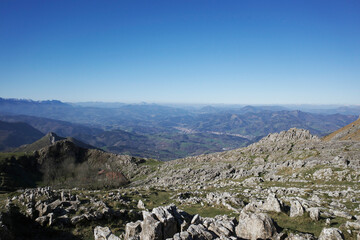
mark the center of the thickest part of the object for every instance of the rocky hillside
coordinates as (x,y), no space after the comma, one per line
(349,132)
(289,185)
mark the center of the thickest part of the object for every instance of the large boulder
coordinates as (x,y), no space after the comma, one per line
(296,209)
(254,226)
(151,228)
(132,230)
(331,234)
(272,204)
(164,215)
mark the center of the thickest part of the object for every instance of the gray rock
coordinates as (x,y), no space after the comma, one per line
(43,220)
(300,236)
(182,236)
(151,229)
(314,213)
(272,204)
(200,232)
(78,219)
(167,219)
(141,205)
(104,233)
(331,234)
(255,225)
(133,230)
(296,209)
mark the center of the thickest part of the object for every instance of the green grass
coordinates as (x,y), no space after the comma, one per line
(303,223)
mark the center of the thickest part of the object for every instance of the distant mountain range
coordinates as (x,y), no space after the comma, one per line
(156,131)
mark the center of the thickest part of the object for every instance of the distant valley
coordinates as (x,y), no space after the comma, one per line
(159,131)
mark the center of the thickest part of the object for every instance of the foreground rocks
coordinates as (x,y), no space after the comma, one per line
(170,223)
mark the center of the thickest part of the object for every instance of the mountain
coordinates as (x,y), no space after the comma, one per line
(48,140)
(17,133)
(349,132)
(255,124)
(162,145)
(61,162)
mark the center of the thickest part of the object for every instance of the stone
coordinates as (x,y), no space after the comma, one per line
(104,233)
(132,230)
(167,219)
(182,236)
(296,209)
(255,225)
(151,229)
(300,236)
(200,232)
(141,205)
(43,220)
(78,219)
(331,234)
(272,204)
(314,213)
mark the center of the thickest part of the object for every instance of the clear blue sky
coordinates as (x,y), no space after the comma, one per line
(245,52)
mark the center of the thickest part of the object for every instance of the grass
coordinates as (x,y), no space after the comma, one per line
(303,223)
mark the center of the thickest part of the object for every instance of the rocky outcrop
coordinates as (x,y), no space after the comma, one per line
(104,233)
(255,226)
(331,234)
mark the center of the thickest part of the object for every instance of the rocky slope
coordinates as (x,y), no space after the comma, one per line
(289,185)
(349,132)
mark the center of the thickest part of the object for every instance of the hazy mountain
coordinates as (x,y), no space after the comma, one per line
(15,134)
(260,123)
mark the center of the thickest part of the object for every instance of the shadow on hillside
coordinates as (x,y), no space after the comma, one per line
(24,228)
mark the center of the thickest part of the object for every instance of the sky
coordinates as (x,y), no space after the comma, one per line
(181,51)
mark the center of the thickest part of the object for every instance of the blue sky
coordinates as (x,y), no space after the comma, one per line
(242,52)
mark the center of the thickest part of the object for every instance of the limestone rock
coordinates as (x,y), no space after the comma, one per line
(331,234)
(104,233)
(167,219)
(132,230)
(151,228)
(314,213)
(300,236)
(272,204)
(200,232)
(141,205)
(296,209)
(255,225)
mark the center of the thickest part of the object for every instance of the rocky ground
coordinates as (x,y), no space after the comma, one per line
(289,185)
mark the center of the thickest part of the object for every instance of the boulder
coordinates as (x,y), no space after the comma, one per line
(182,236)
(300,236)
(272,204)
(314,213)
(104,233)
(151,229)
(132,230)
(255,225)
(141,205)
(331,234)
(200,232)
(167,219)
(296,209)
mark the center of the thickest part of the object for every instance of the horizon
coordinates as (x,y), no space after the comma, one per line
(204,52)
(324,106)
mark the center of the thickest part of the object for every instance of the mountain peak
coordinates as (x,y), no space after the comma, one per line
(291,135)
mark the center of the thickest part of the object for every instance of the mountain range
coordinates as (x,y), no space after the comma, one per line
(162,132)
